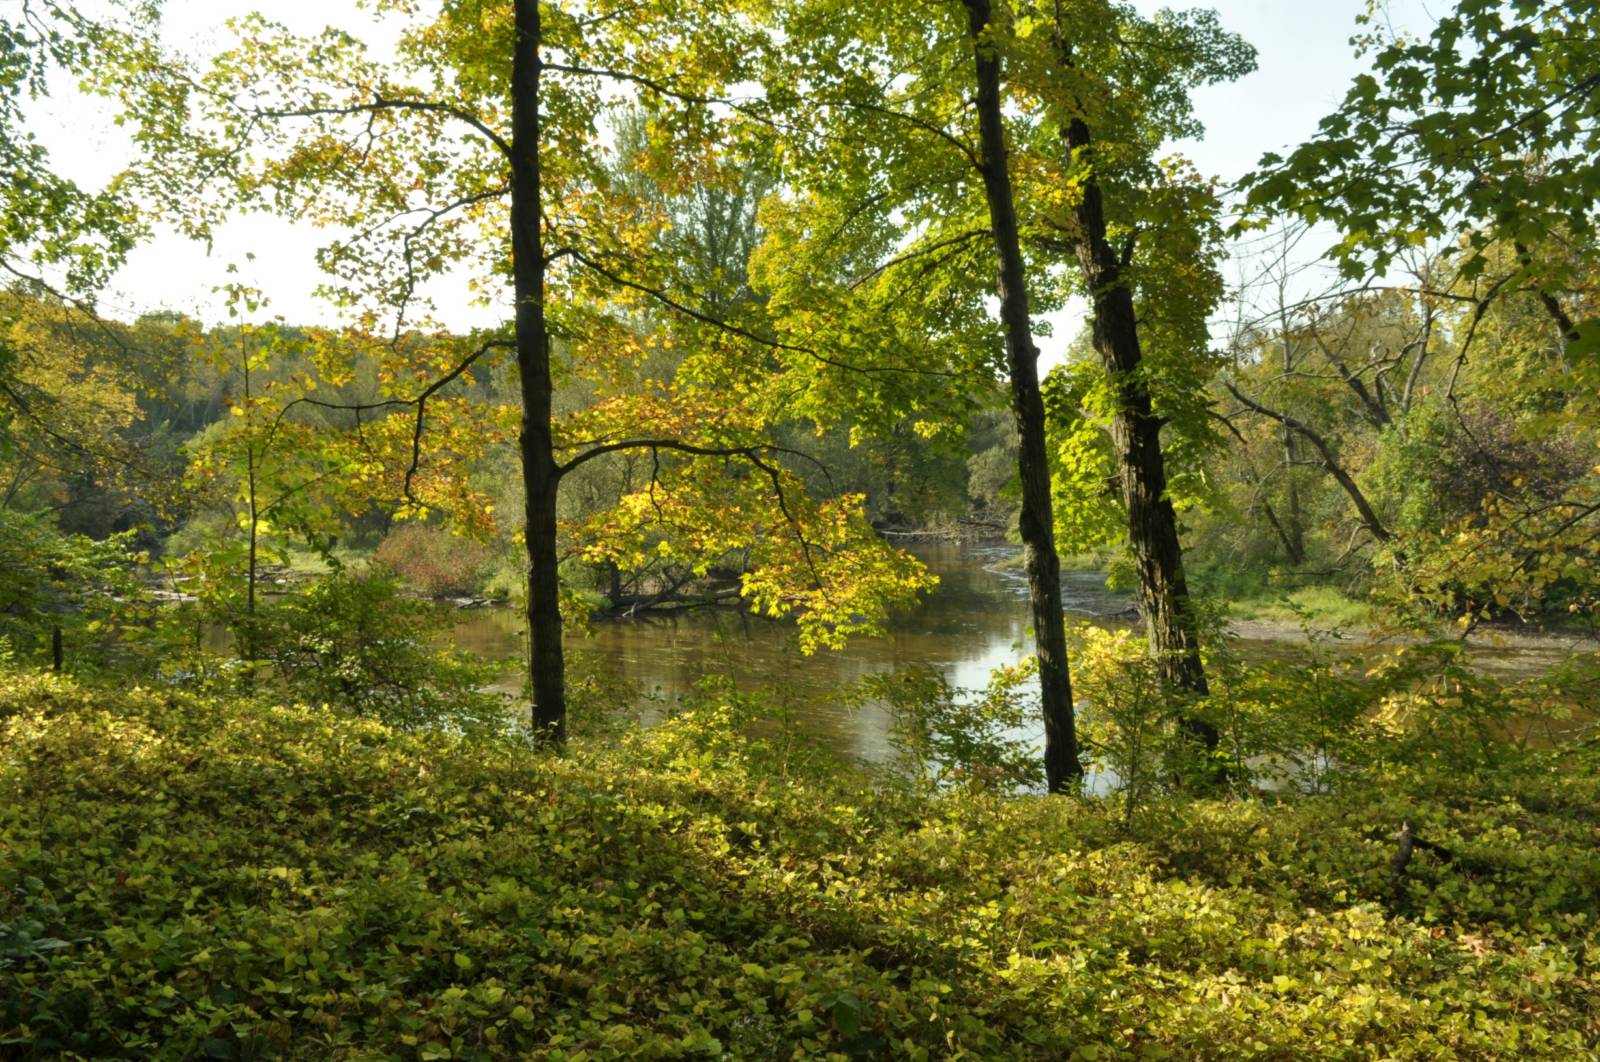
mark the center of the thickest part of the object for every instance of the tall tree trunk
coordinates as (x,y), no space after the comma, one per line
(1043,567)
(1136,437)
(1294,541)
(252,554)
(540,474)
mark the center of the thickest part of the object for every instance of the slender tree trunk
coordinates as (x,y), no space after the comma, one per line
(249,646)
(1330,461)
(1416,365)
(1136,437)
(1043,567)
(252,562)
(540,474)
(253,556)
(1294,540)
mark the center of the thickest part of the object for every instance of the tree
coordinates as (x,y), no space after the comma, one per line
(484,149)
(902,223)
(1113,87)
(53,223)
(1452,420)
(1485,132)
(1478,142)
(892,237)
(68,406)
(50,220)
(1035,522)
(271,472)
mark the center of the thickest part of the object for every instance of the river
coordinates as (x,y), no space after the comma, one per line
(974,621)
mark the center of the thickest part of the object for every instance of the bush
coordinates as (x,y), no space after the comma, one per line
(1129,717)
(433,561)
(87,589)
(356,642)
(1304,720)
(187,876)
(946,735)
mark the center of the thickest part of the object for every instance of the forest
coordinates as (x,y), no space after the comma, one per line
(799,529)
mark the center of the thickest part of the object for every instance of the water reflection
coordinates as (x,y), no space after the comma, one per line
(976,620)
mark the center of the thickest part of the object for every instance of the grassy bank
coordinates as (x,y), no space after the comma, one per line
(183,877)
(1318,607)
(1249,595)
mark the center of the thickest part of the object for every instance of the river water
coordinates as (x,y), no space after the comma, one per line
(973,622)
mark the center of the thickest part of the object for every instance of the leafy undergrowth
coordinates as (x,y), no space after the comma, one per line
(183,877)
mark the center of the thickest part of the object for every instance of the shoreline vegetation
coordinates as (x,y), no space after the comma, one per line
(1288,615)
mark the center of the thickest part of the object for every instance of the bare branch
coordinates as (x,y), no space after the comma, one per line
(1330,461)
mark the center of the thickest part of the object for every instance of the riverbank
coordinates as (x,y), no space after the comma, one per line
(1295,617)
(191,877)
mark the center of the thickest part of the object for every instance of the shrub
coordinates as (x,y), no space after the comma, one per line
(356,642)
(431,560)
(87,589)
(947,735)
(1432,704)
(1317,724)
(1129,718)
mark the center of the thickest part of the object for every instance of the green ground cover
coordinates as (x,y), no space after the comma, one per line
(183,877)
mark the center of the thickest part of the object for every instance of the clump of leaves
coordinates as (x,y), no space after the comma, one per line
(88,590)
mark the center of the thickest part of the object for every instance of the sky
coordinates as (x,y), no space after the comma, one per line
(1304,59)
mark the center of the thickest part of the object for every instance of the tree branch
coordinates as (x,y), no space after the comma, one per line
(384,103)
(1369,516)
(774,343)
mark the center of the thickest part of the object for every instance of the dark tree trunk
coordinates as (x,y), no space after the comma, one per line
(1136,437)
(613,584)
(1293,536)
(1290,549)
(1294,540)
(1061,764)
(540,474)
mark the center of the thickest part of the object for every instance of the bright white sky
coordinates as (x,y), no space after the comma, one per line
(1304,65)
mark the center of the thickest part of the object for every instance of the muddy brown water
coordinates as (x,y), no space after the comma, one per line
(974,621)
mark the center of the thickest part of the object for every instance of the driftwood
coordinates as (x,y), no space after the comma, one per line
(964,530)
(669,600)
